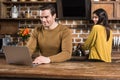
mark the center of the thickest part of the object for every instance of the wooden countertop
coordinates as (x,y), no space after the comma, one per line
(65,70)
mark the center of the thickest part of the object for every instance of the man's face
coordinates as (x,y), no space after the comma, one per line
(47,19)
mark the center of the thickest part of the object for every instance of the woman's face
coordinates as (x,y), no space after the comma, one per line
(95,18)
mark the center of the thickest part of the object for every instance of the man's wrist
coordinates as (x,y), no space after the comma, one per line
(48,59)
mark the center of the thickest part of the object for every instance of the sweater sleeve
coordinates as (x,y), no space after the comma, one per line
(66,47)
(32,42)
(91,39)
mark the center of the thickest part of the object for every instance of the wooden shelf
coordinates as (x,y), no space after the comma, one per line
(19,19)
(28,2)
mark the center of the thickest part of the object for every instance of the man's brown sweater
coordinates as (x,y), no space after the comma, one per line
(55,44)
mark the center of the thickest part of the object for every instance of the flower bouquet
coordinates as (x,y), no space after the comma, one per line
(24,34)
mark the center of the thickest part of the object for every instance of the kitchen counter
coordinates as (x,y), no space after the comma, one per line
(72,69)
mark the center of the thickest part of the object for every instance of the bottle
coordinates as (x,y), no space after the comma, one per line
(28,13)
(14,12)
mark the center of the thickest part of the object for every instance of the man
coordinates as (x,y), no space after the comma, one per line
(53,40)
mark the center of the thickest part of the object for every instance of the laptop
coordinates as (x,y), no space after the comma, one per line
(18,55)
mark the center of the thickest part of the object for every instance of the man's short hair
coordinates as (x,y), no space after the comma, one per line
(48,7)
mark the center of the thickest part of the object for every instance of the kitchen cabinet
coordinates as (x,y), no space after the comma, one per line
(8,27)
(118,10)
(110,7)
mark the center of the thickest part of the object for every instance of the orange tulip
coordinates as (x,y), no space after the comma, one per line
(26,31)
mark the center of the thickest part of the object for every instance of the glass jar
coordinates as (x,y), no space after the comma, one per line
(22,0)
(28,13)
(14,0)
(33,0)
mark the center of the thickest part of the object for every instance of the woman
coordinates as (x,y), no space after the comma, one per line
(99,41)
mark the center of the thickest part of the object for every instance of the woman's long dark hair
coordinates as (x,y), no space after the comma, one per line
(103,19)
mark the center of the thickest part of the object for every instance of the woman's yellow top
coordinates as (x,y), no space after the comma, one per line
(98,45)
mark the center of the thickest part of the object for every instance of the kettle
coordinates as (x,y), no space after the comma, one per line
(6,40)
